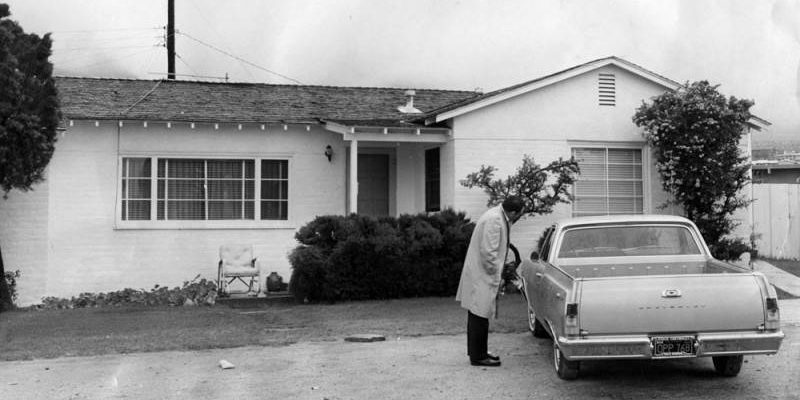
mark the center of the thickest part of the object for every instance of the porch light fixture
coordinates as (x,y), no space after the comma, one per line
(329,152)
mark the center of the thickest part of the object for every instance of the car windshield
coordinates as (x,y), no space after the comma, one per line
(632,240)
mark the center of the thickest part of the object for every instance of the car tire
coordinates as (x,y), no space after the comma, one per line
(537,329)
(728,365)
(565,369)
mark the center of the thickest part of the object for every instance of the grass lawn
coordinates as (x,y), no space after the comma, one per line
(790,266)
(79,332)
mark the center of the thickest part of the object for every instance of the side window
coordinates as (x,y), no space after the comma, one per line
(544,246)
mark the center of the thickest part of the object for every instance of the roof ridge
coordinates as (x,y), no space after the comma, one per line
(264,84)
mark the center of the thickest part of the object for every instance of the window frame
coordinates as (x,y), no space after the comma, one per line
(645,158)
(155,223)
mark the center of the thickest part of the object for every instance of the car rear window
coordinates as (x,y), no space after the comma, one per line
(625,241)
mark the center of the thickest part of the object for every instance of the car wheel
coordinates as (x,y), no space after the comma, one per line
(728,365)
(565,369)
(535,326)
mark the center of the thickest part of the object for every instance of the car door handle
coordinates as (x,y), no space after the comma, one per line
(539,275)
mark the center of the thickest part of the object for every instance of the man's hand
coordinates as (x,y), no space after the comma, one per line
(509,272)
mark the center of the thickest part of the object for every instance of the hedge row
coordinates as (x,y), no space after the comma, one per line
(359,257)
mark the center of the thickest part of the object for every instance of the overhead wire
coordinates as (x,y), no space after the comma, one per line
(221,38)
(106,30)
(186,64)
(108,61)
(237,57)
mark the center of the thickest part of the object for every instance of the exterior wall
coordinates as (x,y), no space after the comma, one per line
(411,176)
(23,239)
(84,249)
(447,163)
(546,124)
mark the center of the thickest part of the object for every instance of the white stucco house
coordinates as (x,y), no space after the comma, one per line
(149,178)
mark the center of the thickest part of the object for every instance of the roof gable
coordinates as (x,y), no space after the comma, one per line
(472,104)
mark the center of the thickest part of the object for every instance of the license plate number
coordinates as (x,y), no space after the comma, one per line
(673,346)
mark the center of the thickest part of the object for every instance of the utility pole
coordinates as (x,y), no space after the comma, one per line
(170,39)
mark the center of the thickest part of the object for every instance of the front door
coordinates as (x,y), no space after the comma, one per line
(373,184)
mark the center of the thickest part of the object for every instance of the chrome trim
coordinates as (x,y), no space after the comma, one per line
(640,347)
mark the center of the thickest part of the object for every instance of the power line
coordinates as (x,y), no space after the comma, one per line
(238,58)
(186,64)
(103,62)
(105,47)
(108,30)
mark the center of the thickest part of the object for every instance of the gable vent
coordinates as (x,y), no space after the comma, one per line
(607,89)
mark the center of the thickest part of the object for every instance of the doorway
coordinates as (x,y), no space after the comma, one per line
(373,184)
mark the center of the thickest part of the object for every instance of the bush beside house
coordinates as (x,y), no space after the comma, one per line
(358,257)
(198,291)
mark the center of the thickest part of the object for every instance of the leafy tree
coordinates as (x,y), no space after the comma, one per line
(29,113)
(541,188)
(695,132)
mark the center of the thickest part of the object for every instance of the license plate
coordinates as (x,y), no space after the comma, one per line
(673,346)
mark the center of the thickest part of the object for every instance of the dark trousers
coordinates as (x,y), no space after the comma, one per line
(477,337)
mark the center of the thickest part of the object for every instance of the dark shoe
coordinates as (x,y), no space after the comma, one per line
(492,357)
(486,362)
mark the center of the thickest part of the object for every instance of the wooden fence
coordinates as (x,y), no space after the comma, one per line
(776,220)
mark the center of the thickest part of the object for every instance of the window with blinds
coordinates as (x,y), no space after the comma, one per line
(274,189)
(136,189)
(203,189)
(610,181)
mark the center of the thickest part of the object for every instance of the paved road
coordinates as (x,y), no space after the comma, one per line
(432,367)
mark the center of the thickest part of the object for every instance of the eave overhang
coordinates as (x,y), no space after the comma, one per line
(411,134)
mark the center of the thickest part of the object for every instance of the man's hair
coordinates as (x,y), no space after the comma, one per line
(513,203)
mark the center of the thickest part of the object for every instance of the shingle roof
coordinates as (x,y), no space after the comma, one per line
(191,101)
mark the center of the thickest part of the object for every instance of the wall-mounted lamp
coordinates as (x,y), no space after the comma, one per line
(329,152)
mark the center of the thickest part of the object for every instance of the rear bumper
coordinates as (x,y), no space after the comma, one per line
(640,347)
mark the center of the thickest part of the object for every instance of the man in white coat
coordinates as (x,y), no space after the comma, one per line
(480,277)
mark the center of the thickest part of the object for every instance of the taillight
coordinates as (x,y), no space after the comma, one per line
(571,321)
(773,314)
(572,310)
(772,304)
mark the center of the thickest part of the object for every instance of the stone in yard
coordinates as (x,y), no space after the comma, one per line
(365,337)
(225,364)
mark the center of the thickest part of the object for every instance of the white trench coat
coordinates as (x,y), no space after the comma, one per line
(483,265)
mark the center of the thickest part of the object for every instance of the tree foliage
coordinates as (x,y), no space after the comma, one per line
(541,188)
(695,132)
(29,112)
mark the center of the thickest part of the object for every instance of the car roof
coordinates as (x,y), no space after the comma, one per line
(614,219)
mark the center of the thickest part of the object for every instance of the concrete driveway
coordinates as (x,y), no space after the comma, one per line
(432,367)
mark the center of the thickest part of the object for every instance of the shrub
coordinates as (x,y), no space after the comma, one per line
(11,281)
(192,292)
(358,257)
(731,249)
(695,132)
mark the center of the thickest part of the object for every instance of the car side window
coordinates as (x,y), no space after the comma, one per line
(544,251)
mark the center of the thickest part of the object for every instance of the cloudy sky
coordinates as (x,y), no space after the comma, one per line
(750,47)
